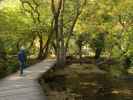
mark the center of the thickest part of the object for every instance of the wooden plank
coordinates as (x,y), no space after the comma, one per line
(16,87)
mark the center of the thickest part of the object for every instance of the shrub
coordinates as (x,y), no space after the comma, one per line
(3,69)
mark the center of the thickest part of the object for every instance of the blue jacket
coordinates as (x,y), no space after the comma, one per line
(22,56)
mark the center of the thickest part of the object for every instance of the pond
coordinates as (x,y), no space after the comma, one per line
(85,82)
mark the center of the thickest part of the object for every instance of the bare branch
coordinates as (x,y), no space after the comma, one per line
(33,11)
(79,11)
(53,6)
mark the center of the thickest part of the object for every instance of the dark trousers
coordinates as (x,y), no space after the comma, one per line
(22,64)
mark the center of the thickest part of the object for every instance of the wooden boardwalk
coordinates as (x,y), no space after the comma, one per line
(26,87)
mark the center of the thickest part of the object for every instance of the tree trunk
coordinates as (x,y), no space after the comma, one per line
(58,28)
(40,54)
(80,54)
(46,46)
(62,54)
(98,53)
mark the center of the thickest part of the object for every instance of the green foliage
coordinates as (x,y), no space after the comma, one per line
(3,69)
(12,65)
(117,70)
(99,41)
(26,22)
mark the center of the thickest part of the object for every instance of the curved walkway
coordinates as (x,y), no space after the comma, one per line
(25,87)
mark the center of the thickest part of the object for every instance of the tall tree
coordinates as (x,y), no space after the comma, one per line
(62,35)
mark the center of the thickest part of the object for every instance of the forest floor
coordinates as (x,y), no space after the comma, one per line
(87,82)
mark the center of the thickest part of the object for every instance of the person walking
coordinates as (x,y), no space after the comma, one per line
(22,59)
